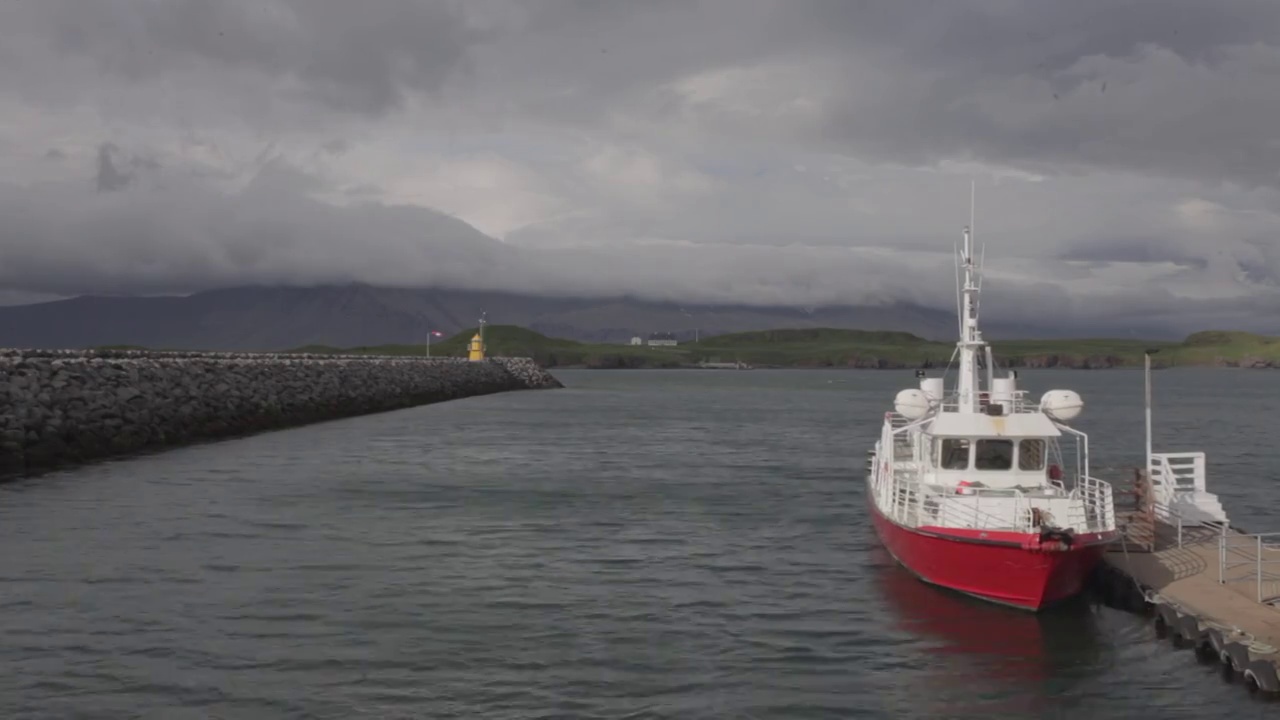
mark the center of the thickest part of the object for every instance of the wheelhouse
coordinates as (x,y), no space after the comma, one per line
(995,452)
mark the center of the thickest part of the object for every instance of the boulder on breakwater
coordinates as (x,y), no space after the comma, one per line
(65,407)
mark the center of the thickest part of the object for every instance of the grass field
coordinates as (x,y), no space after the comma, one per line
(825,347)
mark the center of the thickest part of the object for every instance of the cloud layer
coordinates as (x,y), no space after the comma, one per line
(761,151)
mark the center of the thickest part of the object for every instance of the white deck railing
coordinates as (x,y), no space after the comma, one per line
(1096,511)
(1173,473)
(1178,482)
(1018,402)
(904,499)
(977,510)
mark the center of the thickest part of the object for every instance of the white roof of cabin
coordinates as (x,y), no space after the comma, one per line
(952,424)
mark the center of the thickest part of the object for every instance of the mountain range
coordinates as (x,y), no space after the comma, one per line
(276,318)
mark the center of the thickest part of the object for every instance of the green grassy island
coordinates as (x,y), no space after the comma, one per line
(826,347)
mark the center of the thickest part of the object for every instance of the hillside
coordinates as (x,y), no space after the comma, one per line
(262,319)
(830,347)
(515,341)
(265,318)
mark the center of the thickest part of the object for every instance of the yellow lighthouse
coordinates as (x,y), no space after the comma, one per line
(477,343)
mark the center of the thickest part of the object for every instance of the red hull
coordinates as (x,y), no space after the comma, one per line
(1002,567)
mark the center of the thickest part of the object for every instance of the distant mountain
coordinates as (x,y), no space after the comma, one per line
(275,318)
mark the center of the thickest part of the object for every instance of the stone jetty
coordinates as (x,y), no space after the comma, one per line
(66,407)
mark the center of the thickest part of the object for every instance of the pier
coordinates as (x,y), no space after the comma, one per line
(1210,587)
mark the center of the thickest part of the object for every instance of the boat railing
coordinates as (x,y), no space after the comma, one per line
(898,421)
(906,506)
(1016,402)
(1096,511)
(967,511)
(913,505)
(902,500)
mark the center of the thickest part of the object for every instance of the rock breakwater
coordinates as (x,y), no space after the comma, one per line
(66,407)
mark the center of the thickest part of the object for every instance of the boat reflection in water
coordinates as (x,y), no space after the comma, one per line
(986,658)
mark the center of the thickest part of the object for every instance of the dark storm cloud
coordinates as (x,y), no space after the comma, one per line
(109,178)
(1132,250)
(1171,87)
(349,56)
(187,234)
(745,150)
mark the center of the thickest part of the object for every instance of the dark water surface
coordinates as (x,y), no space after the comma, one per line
(659,544)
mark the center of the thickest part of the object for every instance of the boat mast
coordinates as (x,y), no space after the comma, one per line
(970,337)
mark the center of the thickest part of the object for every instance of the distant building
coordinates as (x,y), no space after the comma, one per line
(636,340)
(662,340)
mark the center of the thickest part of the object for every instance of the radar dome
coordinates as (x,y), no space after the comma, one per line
(1062,404)
(911,403)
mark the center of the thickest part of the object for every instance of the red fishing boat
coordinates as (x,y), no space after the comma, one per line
(983,490)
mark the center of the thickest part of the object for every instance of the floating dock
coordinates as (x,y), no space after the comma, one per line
(1209,587)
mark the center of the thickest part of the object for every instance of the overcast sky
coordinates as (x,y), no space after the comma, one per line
(1126,154)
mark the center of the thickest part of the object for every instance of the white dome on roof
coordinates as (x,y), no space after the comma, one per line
(911,403)
(1063,405)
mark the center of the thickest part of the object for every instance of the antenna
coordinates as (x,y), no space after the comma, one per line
(968,349)
(959,296)
(973,195)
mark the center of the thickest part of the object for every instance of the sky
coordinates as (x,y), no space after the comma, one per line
(1125,154)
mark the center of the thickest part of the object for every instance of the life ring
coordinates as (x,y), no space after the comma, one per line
(964,487)
(1055,472)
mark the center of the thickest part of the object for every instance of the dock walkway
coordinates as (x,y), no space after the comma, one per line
(1212,588)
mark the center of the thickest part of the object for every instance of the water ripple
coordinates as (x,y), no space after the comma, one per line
(678,545)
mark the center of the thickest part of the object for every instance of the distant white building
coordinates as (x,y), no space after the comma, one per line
(636,340)
(662,340)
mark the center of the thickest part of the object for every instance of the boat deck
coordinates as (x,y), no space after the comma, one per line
(1235,616)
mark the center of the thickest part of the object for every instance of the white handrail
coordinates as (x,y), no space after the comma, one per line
(1096,511)
(1172,473)
(1020,402)
(1251,548)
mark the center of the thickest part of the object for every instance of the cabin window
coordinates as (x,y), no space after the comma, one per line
(1031,455)
(993,455)
(954,454)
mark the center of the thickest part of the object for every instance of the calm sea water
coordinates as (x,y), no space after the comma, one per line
(659,544)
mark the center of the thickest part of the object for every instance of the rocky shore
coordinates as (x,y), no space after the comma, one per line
(66,407)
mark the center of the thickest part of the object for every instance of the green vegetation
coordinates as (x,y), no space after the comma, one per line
(828,347)
(516,341)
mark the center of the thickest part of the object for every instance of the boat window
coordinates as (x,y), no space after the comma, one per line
(993,455)
(1031,455)
(955,454)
